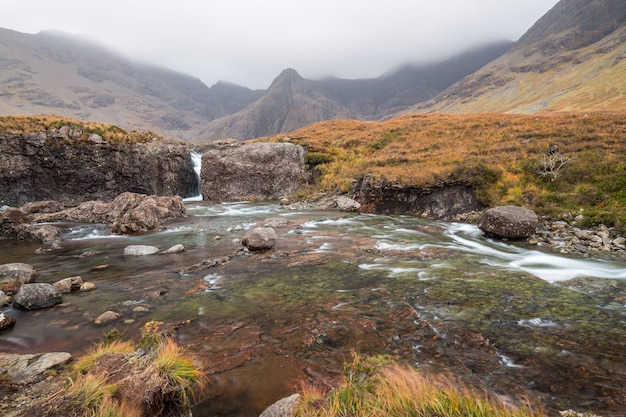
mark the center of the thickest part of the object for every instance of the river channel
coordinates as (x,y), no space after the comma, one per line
(504,317)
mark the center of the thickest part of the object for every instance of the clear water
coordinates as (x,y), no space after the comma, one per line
(335,283)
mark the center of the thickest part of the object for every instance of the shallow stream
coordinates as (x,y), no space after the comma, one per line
(504,317)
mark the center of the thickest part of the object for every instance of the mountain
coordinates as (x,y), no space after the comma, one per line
(56,73)
(572,59)
(292,102)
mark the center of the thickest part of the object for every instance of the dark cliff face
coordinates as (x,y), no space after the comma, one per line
(444,202)
(40,166)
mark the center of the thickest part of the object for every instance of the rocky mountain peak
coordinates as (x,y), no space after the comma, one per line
(573,24)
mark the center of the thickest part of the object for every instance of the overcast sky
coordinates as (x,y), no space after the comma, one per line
(249,42)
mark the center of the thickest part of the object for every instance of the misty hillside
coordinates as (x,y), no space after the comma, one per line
(60,74)
(572,59)
(56,73)
(292,102)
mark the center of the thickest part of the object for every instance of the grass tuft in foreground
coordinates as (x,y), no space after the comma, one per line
(116,378)
(376,387)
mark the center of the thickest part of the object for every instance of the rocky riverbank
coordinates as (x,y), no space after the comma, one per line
(568,237)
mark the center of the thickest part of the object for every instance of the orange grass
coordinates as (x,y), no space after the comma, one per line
(498,154)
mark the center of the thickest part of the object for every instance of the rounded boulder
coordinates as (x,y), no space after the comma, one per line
(510,222)
(260,238)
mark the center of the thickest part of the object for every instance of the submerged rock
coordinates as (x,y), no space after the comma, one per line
(107,317)
(174,249)
(36,296)
(509,222)
(260,238)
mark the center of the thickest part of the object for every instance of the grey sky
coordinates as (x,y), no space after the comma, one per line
(249,42)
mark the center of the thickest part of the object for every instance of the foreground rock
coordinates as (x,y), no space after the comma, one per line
(60,165)
(260,238)
(255,170)
(37,296)
(285,407)
(13,276)
(25,369)
(509,222)
(128,213)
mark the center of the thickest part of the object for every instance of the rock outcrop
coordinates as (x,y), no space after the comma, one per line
(128,213)
(256,170)
(443,202)
(24,369)
(60,165)
(509,222)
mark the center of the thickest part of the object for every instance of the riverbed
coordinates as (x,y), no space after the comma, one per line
(504,317)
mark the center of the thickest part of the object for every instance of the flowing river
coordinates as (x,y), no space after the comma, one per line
(504,317)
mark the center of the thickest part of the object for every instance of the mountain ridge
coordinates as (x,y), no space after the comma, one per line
(572,60)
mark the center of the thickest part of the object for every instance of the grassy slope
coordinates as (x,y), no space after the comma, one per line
(588,79)
(497,153)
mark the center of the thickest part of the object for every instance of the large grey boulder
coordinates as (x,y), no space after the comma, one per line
(255,170)
(14,275)
(285,407)
(509,222)
(260,238)
(36,296)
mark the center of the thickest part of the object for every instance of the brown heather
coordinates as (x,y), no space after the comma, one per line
(49,123)
(499,154)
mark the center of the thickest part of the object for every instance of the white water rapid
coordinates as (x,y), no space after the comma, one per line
(196,160)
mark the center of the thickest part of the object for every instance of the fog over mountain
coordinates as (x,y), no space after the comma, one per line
(248,42)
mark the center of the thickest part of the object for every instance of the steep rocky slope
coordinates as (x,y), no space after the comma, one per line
(572,59)
(55,73)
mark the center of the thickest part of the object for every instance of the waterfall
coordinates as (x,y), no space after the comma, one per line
(196,160)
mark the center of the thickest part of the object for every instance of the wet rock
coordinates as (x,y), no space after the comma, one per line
(88,286)
(70,284)
(509,222)
(285,407)
(174,249)
(128,213)
(140,250)
(106,317)
(5,300)
(14,275)
(260,238)
(258,170)
(25,369)
(48,166)
(36,296)
(6,321)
